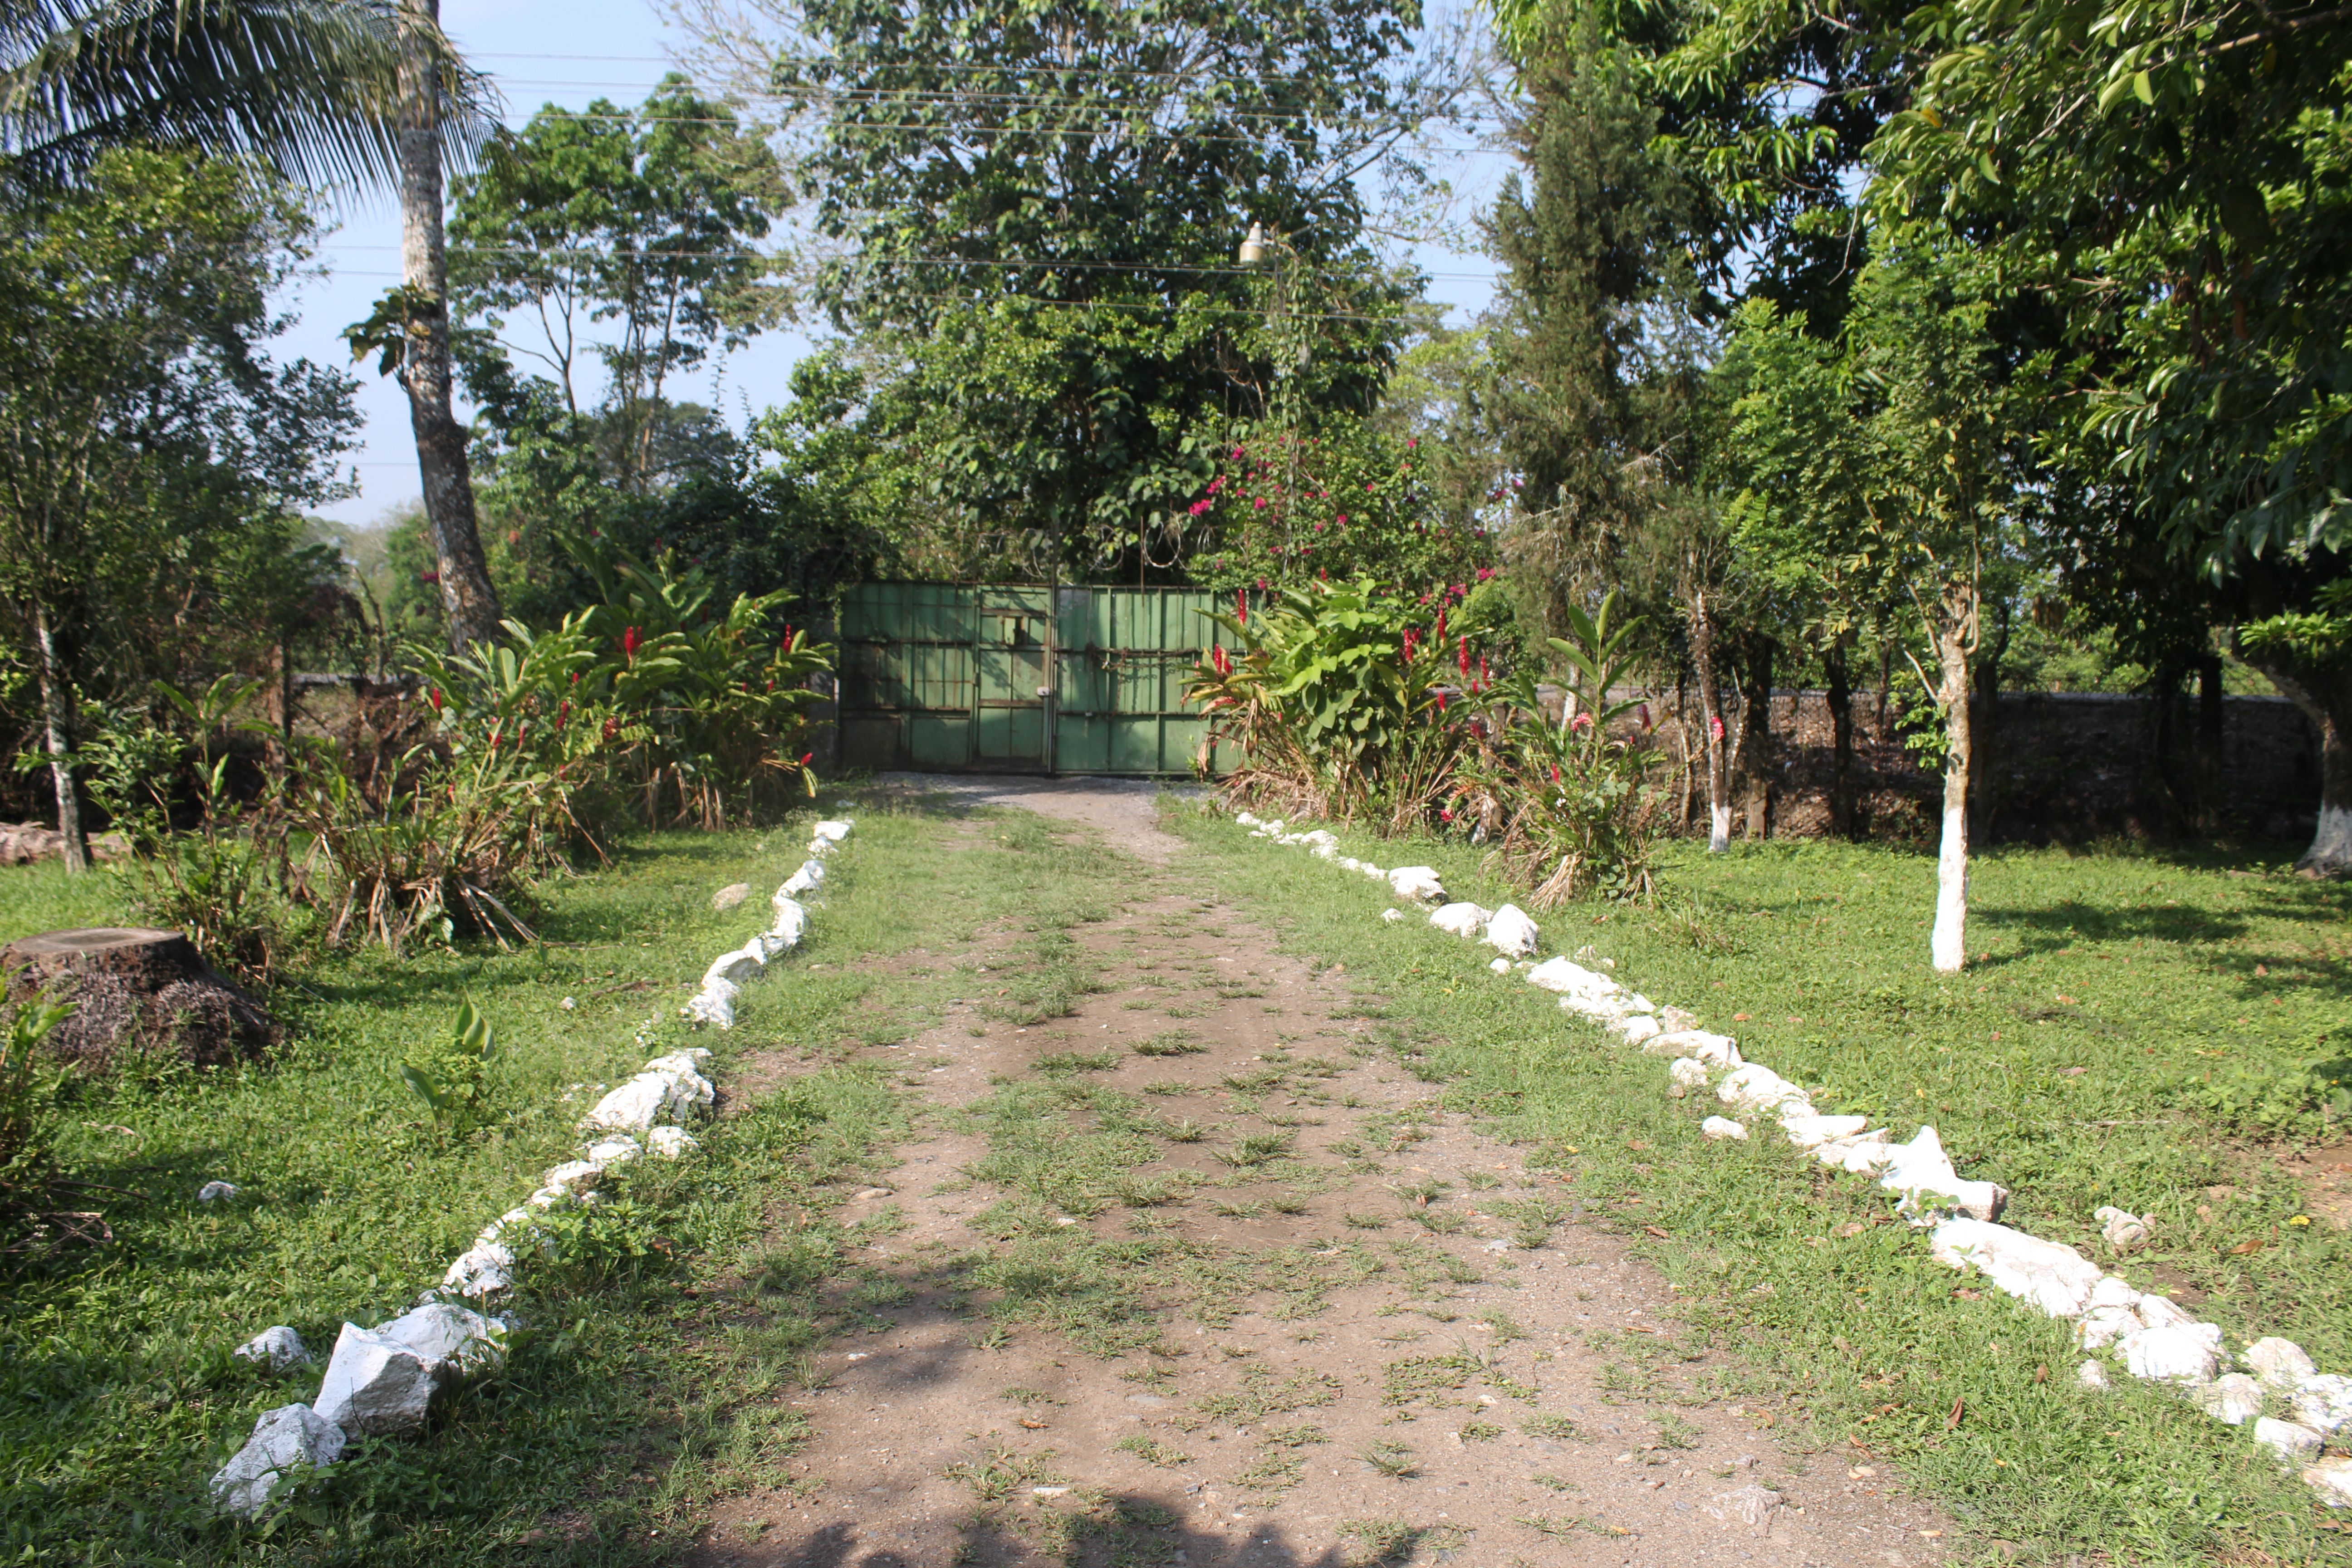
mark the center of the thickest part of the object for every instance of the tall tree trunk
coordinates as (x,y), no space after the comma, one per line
(1755,737)
(1841,701)
(57,736)
(469,602)
(1949,946)
(1885,693)
(2324,692)
(1710,700)
(2210,742)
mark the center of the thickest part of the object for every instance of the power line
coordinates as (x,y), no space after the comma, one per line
(1012,264)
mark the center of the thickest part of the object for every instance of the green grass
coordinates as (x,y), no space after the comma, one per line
(2193,992)
(650,1373)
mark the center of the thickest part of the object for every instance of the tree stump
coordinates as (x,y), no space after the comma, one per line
(135,989)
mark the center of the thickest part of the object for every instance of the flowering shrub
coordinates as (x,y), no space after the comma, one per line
(1566,803)
(1346,701)
(538,743)
(1287,507)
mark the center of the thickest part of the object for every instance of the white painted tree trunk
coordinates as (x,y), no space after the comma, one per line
(1710,700)
(1949,947)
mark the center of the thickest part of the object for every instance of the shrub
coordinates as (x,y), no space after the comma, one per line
(30,1107)
(1566,803)
(1343,701)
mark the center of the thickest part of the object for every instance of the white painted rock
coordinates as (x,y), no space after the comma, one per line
(790,923)
(2175,1354)
(1418,883)
(1636,1029)
(1245,819)
(573,1177)
(1392,915)
(2056,1278)
(483,1270)
(212,1191)
(2162,1311)
(1350,863)
(2324,1401)
(743,963)
(450,1340)
(1374,872)
(1922,1172)
(1571,979)
(612,1152)
(1750,1506)
(2332,1479)
(374,1384)
(2121,1229)
(1500,967)
(664,1091)
(832,832)
(807,879)
(289,1435)
(1809,1130)
(2279,1363)
(2112,1312)
(2232,1398)
(276,1348)
(2093,1376)
(1688,1071)
(1722,1127)
(671,1143)
(1864,1155)
(2287,1442)
(713,1004)
(1511,933)
(728,897)
(1721,1050)
(1463,919)
(1756,1086)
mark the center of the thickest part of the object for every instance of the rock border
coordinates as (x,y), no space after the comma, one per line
(383,1380)
(2154,1338)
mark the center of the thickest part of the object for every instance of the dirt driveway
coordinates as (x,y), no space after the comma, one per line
(1201,1273)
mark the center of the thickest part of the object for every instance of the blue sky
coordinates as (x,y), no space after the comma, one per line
(569,52)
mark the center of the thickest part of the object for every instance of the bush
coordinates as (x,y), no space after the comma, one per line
(31,1091)
(1344,701)
(1568,803)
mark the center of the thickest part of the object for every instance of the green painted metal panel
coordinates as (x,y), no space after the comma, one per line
(943,677)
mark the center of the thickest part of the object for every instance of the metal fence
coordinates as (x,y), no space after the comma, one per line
(947,678)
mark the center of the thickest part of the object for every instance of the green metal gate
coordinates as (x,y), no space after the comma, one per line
(1022,678)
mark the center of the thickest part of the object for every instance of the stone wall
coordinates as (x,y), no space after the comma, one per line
(2053,767)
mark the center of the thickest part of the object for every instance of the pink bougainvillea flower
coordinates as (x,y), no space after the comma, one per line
(1485,573)
(1261,503)
(1582,721)
(1715,728)
(1343,519)
(1445,815)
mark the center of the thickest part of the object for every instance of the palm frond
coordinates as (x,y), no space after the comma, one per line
(307,88)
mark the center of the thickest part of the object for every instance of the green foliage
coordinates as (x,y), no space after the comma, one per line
(31,1105)
(453,1080)
(300,86)
(1057,342)
(1338,697)
(156,459)
(1336,500)
(1566,803)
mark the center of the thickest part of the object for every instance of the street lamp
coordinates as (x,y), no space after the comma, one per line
(1254,247)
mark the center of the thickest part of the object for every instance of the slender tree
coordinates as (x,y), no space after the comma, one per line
(469,602)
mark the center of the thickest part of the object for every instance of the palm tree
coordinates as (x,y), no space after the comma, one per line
(309,89)
(322,93)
